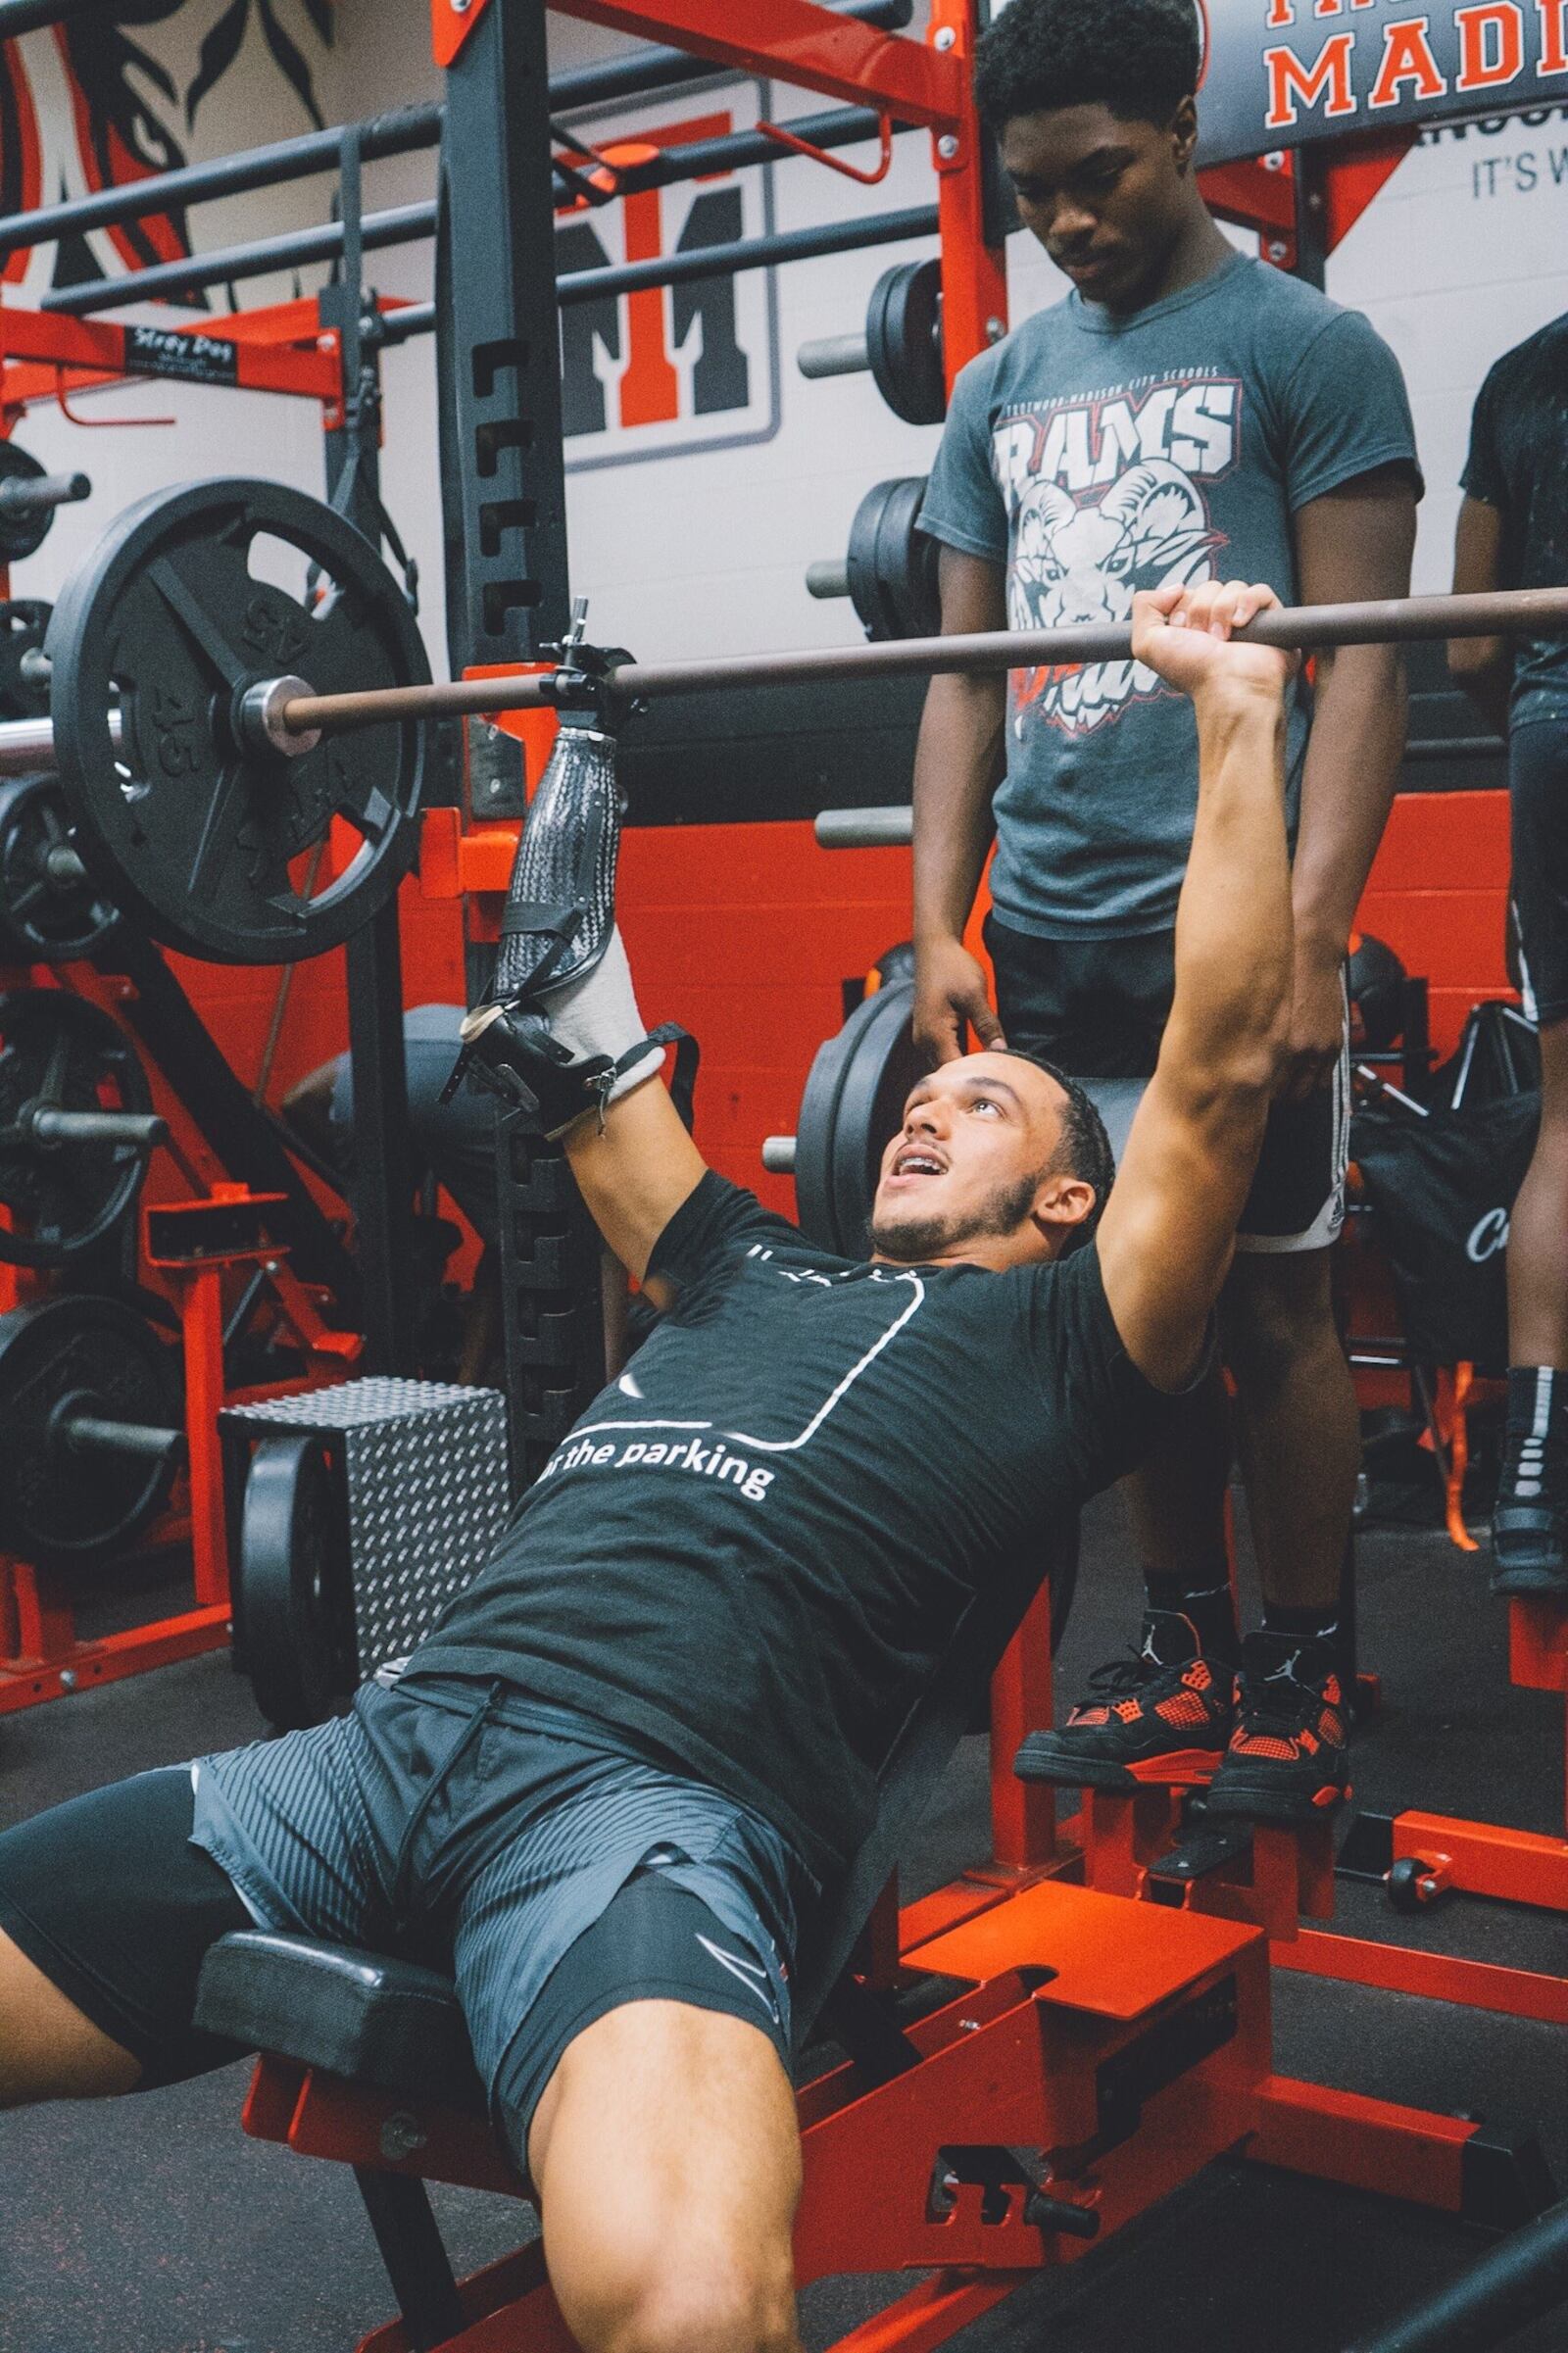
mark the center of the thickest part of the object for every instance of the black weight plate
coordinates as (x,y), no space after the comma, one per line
(876,1083)
(60,1508)
(24,685)
(51,911)
(22,534)
(903,341)
(892,565)
(61,1051)
(295,1598)
(208,846)
(852,1102)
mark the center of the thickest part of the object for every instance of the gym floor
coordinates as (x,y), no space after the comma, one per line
(154,2224)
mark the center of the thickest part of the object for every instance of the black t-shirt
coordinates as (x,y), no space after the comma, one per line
(754,1548)
(1518,463)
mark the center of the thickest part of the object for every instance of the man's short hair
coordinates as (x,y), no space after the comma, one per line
(1140,58)
(1085,1147)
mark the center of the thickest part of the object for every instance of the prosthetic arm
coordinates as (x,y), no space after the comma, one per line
(563,1035)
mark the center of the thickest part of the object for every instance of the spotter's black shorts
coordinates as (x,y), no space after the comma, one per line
(557,1880)
(1097,1009)
(1538,803)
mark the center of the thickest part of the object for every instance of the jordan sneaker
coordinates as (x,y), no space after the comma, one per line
(1144,1725)
(1289,1756)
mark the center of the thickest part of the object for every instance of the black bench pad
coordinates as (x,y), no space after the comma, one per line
(392,2025)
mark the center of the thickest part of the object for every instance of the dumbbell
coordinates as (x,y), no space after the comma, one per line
(901,346)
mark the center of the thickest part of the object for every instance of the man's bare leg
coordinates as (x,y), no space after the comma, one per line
(48,2050)
(667,2156)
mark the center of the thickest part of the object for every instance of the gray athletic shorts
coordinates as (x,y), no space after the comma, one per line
(468,1826)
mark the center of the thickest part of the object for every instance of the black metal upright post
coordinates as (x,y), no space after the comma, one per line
(384,1164)
(1311,216)
(504,497)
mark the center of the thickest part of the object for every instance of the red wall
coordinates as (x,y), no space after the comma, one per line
(746,933)
(1439,893)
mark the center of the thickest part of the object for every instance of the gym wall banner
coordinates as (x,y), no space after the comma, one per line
(670,369)
(110,95)
(1280,73)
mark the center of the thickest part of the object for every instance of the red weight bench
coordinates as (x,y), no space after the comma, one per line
(1055,2058)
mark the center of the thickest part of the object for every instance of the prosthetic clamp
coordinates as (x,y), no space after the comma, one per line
(508,1051)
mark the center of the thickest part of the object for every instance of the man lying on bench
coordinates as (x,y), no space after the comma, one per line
(643,1742)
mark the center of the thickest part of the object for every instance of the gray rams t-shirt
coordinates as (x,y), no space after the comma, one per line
(1095,456)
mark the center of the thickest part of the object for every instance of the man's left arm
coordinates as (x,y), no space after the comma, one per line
(1353,542)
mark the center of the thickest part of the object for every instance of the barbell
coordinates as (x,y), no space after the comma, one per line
(1388,621)
(235,672)
(167,656)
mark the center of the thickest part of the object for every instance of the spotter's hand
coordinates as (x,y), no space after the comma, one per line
(1185,634)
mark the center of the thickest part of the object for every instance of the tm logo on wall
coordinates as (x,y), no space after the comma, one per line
(668,368)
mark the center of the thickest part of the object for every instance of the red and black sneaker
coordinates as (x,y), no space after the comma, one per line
(1144,1725)
(1289,1760)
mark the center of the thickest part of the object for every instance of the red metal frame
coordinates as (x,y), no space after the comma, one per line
(41,1656)
(1058,1980)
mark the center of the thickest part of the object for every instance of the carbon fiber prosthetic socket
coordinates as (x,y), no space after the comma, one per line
(565,875)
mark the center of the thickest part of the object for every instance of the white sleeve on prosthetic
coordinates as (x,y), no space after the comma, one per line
(598,1014)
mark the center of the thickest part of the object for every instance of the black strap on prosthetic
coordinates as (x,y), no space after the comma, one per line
(515,1058)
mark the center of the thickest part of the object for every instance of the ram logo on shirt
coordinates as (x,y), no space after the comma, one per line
(1105,496)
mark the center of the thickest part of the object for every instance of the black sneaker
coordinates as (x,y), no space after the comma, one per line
(1289,1756)
(1528,1553)
(1144,1725)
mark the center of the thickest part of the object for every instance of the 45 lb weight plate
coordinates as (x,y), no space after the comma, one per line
(195,821)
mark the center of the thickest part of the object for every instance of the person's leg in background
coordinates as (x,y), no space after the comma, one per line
(1161,1712)
(1530,1526)
(1297,1428)
(1299,1434)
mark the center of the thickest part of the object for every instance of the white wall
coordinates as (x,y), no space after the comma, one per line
(216,431)
(1461,254)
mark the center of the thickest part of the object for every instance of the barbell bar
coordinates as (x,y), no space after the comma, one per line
(282,714)
(1386,620)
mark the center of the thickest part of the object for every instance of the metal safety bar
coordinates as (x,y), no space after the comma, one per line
(404,225)
(747,253)
(407,225)
(403,130)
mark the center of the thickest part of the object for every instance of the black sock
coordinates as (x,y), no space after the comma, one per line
(1185,1619)
(1308,1638)
(1535,1468)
